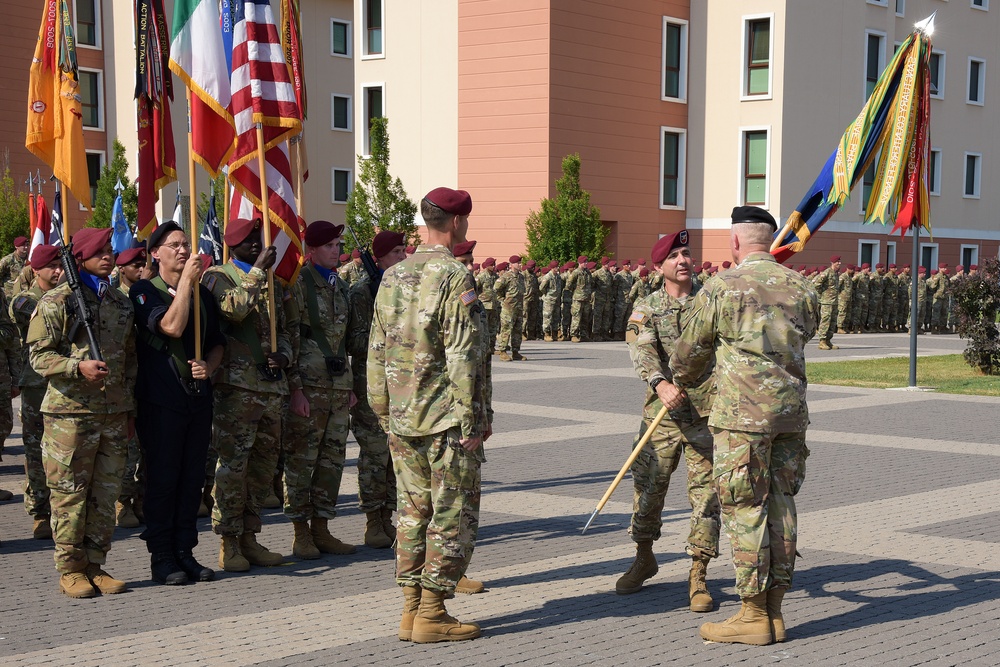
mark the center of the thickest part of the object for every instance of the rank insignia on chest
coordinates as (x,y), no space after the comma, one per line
(468,297)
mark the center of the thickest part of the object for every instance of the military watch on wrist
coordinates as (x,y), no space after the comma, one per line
(652,385)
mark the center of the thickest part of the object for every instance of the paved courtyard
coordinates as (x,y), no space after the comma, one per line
(899,535)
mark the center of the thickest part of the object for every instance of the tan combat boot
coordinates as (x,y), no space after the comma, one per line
(375,536)
(302,544)
(642,568)
(774,598)
(257,554)
(125,516)
(230,558)
(411,602)
(76,585)
(468,586)
(548,338)
(750,625)
(42,529)
(823,345)
(505,357)
(103,581)
(434,624)
(326,542)
(575,339)
(700,598)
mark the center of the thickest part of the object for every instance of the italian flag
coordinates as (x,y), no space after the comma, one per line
(198,58)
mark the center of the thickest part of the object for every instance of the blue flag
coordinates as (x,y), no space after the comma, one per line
(226,23)
(121,237)
(210,241)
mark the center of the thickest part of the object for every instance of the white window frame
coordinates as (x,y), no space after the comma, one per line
(985,7)
(978,175)
(879,3)
(974,247)
(366,130)
(98,32)
(101,109)
(364,33)
(881,58)
(982,81)
(942,66)
(747,18)
(890,257)
(350,112)
(104,161)
(901,8)
(681,167)
(333,184)
(933,247)
(683,76)
(875,252)
(934,179)
(740,185)
(350,38)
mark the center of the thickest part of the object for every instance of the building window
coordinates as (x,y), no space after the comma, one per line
(87,13)
(973,168)
(977,80)
(934,172)
(969,255)
(937,74)
(755,168)
(675,32)
(341,105)
(757,73)
(340,38)
(90,98)
(374,108)
(874,59)
(341,185)
(890,253)
(868,253)
(95,160)
(868,182)
(673,150)
(900,7)
(880,3)
(929,256)
(981,4)
(373,27)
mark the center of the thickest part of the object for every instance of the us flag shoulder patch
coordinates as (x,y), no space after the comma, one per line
(468,297)
(636,316)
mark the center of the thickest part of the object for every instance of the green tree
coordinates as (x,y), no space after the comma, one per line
(567,226)
(977,301)
(219,187)
(378,202)
(14,219)
(111,173)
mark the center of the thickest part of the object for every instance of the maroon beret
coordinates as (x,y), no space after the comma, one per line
(475,267)
(321,232)
(835,258)
(726,264)
(410,249)
(972,267)
(355,254)
(502,266)
(89,241)
(943,265)
(643,272)
(957,268)
(239,229)
(893,266)
(488,262)
(625,261)
(344,257)
(554,264)
(612,263)
(605,260)
(665,245)
(456,202)
(641,262)
(515,259)
(866,265)
(591,266)
(464,248)
(582,259)
(705,265)
(712,270)
(880,265)
(20,241)
(922,269)
(569,266)
(42,256)
(130,255)
(385,241)
(934,272)
(530,264)
(206,260)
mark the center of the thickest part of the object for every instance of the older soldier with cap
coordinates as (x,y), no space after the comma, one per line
(509,289)
(11,265)
(828,287)
(653,328)
(754,322)
(88,412)
(249,394)
(48,272)
(174,395)
(424,385)
(376,481)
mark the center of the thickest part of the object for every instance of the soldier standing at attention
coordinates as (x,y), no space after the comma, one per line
(550,293)
(10,370)
(580,288)
(11,265)
(828,288)
(88,411)
(530,311)
(876,287)
(860,299)
(754,322)
(248,395)
(484,288)
(424,383)
(844,299)
(376,481)
(653,328)
(566,307)
(509,290)
(600,281)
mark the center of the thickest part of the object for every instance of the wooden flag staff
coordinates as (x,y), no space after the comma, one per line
(225,220)
(194,233)
(265,209)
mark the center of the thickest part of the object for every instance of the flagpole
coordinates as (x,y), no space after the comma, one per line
(293,147)
(194,233)
(265,209)
(32,221)
(914,304)
(64,215)
(225,221)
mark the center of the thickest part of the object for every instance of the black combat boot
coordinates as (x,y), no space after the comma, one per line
(192,568)
(166,570)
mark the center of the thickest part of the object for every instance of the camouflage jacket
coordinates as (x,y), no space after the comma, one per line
(10,269)
(484,287)
(362,311)
(861,285)
(21,308)
(827,286)
(243,309)
(350,272)
(530,287)
(600,282)
(652,331)
(579,284)
(938,286)
(334,317)
(425,350)
(876,285)
(623,284)
(639,290)
(56,356)
(755,322)
(509,291)
(551,287)
(846,288)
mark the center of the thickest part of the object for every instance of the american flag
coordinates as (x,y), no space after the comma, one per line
(263,93)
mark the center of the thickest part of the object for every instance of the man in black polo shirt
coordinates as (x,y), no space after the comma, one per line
(174,395)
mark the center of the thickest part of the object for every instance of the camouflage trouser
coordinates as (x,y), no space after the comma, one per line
(827,321)
(247,437)
(581,313)
(566,317)
(83,457)
(874,314)
(315,449)
(550,317)
(134,475)
(939,315)
(36,491)
(530,323)
(844,307)
(621,312)
(888,312)
(376,481)
(651,475)
(438,504)
(859,316)
(598,307)
(758,475)
(6,408)
(509,339)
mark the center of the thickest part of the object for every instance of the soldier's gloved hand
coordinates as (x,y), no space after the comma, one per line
(92,370)
(266,258)
(277,360)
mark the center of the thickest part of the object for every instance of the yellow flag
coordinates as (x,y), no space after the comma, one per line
(55,120)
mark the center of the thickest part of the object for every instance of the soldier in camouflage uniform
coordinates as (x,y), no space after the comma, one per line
(640,289)
(844,299)
(48,272)
(509,291)
(321,383)
(755,324)
(11,265)
(551,287)
(828,287)
(889,299)
(903,298)
(529,324)
(653,327)
(249,396)
(622,306)
(88,412)
(484,288)
(579,286)
(376,481)
(10,370)
(351,270)
(566,307)
(876,288)
(600,281)
(859,315)
(937,288)
(425,384)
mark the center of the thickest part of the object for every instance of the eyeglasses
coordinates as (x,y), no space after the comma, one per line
(177,246)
